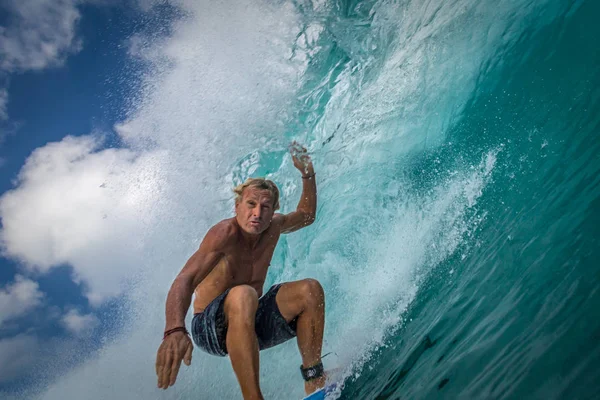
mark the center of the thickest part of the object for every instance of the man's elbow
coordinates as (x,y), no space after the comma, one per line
(309,218)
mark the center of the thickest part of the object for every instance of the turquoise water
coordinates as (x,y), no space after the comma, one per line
(512,311)
(457,157)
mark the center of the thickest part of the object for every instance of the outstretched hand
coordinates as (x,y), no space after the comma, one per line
(301,158)
(174,348)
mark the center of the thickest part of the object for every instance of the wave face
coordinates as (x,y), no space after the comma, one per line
(456,149)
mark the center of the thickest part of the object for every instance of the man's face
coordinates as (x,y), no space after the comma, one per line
(255,210)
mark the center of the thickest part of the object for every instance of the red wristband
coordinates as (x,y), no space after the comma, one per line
(178,329)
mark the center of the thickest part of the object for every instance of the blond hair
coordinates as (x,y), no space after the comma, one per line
(259,183)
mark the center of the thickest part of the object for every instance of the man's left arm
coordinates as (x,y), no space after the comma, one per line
(307,206)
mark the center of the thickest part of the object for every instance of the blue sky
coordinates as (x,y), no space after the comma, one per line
(81,87)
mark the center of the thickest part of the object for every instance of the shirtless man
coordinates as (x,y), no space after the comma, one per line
(227,273)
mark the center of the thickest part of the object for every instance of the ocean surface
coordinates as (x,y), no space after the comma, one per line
(457,151)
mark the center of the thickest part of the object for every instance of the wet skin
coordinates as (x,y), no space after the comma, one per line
(235,254)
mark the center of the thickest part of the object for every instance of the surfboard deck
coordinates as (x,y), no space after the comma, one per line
(321,393)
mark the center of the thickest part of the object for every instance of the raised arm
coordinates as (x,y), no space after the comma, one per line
(307,206)
(176,345)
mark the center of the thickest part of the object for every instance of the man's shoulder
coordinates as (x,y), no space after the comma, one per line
(278,219)
(223,232)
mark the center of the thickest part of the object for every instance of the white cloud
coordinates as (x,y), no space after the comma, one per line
(79,324)
(17,354)
(75,205)
(38,34)
(18,298)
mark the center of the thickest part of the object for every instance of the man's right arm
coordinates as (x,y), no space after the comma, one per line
(200,264)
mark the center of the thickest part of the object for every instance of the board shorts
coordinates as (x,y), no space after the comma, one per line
(209,328)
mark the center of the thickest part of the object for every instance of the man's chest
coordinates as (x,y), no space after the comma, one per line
(248,265)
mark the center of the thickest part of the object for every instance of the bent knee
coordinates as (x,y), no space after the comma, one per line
(242,301)
(312,291)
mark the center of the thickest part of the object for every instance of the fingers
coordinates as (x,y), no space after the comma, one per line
(168,361)
(299,155)
(163,371)
(304,158)
(159,376)
(296,148)
(164,364)
(187,359)
(167,371)
(160,362)
(174,370)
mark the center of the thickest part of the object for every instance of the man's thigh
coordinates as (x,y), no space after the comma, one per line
(291,299)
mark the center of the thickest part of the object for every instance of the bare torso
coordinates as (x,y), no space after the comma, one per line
(239,265)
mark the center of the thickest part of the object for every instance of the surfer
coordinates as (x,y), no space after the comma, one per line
(227,273)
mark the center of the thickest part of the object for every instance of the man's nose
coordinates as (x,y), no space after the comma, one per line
(257,211)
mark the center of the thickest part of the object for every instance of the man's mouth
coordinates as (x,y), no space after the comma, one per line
(254,223)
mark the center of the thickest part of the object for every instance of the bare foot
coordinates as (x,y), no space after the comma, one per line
(315,384)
